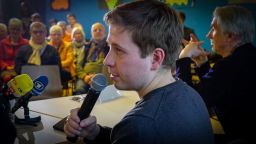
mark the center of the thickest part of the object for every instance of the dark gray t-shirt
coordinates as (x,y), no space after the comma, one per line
(173,114)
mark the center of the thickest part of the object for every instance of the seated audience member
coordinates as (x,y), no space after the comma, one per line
(227,86)
(25,17)
(53,22)
(144,39)
(72,23)
(186,30)
(3,31)
(92,63)
(9,47)
(66,35)
(78,47)
(37,52)
(65,52)
(35,17)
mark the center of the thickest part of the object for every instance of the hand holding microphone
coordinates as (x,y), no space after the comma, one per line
(99,82)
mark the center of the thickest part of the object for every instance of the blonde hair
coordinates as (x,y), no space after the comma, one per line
(77,29)
(56,28)
(3,27)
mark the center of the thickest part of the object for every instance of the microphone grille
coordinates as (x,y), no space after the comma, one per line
(99,82)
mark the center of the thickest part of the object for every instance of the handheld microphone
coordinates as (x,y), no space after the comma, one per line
(20,85)
(99,82)
(40,84)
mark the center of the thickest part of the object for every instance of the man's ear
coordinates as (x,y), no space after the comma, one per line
(158,56)
(232,39)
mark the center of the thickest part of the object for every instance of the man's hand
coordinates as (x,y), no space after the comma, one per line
(87,128)
(194,51)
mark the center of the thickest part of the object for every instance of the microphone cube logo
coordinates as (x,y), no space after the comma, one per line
(38,85)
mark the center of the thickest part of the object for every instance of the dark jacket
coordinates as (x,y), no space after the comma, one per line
(50,56)
(229,88)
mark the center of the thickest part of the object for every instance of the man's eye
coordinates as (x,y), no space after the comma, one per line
(119,50)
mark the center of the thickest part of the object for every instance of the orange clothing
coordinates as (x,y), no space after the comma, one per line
(66,56)
(67,37)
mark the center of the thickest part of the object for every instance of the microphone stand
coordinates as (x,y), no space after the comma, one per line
(27,120)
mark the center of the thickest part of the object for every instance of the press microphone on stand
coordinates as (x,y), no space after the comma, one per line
(13,88)
(39,85)
(99,82)
(19,86)
(23,88)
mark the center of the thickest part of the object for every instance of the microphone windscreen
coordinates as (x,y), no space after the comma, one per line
(40,84)
(20,85)
(99,82)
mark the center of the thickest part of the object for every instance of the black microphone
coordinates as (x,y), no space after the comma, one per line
(40,84)
(99,82)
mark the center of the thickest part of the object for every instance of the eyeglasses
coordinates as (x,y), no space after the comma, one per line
(38,32)
(15,29)
(56,34)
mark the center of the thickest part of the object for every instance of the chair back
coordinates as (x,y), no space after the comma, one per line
(52,72)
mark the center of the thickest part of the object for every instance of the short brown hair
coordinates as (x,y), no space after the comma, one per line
(152,25)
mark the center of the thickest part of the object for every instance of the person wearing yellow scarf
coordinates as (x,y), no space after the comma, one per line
(37,52)
(35,56)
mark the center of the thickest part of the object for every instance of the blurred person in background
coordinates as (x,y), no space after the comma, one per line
(78,47)
(38,51)
(95,52)
(228,86)
(65,52)
(72,23)
(3,31)
(186,30)
(53,21)
(66,35)
(35,17)
(9,48)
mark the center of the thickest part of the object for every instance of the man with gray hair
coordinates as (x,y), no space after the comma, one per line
(229,85)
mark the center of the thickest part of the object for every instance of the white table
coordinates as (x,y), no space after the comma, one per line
(43,133)
(108,114)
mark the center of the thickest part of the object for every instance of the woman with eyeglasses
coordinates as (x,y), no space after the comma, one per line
(38,51)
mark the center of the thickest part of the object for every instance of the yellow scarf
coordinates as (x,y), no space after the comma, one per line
(35,57)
